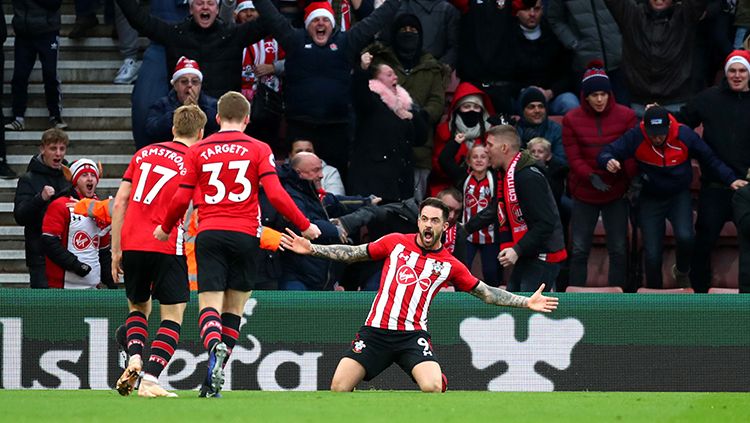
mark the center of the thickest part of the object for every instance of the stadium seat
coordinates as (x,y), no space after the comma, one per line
(723,291)
(556,118)
(595,289)
(598,267)
(644,290)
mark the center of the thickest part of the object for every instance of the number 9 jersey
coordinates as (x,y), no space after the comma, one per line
(225,170)
(154,173)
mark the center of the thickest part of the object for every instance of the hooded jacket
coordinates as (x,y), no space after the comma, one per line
(439,178)
(726,128)
(657,48)
(29,207)
(585,133)
(666,169)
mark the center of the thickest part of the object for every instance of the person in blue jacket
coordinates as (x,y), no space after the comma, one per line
(663,149)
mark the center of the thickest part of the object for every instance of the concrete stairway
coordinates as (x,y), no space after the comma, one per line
(96,110)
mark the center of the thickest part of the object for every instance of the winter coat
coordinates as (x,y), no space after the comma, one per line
(217,49)
(543,62)
(726,128)
(485,52)
(318,79)
(381,161)
(585,132)
(440,23)
(424,82)
(587,28)
(445,132)
(742,16)
(32,18)
(160,115)
(29,207)
(666,169)
(657,48)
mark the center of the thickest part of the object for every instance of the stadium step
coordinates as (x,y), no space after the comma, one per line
(78,95)
(80,118)
(81,142)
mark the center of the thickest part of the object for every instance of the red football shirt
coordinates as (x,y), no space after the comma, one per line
(410,278)
(154,172)
(227,167)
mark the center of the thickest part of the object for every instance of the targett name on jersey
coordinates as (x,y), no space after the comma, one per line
(223,148)
(175,156)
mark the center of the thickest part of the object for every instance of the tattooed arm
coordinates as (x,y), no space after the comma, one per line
(501,297)
(344,253)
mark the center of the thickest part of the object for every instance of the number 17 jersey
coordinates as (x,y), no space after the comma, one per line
(154,173)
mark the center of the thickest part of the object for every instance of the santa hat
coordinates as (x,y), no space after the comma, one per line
(82,166)
(318,9)
(186,66)
(595,79)
(738,56)
(244,4)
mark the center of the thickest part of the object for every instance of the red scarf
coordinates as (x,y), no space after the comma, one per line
(509,210)
(450,239)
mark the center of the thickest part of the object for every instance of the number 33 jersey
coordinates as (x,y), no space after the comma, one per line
(154,172)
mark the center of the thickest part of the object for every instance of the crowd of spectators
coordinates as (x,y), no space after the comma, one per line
(392,101)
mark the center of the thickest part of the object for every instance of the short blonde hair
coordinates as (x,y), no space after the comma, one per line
(540,141)
(233,107)
(188,121)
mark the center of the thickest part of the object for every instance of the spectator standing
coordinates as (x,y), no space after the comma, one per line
(485,50)
(723,112)
(216,44)
(439,28)
(76,246)
(127,42)
(86,19)
(423,78)
(657,49)
(587,28)
(388,126)
(741,205)
(5,171)
(468,114)
(534,122)
(540,60)
(36,189)
(663,149)
(262,67)
(37,28)
(318,66)
(187,82)
(586,129)
(531,235)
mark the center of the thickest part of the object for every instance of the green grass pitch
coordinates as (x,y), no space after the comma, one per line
(375,406)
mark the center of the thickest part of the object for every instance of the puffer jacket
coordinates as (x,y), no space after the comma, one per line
(585,133)
(588,28)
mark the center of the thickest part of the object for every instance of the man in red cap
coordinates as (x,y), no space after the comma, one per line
(723,111)
(187,83)
(318,67)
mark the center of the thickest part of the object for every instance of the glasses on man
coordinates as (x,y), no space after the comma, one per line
(189,81)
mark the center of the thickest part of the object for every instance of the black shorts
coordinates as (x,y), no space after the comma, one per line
(376,349)
(158,275)
(226,260)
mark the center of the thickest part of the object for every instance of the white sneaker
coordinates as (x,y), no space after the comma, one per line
(128,72)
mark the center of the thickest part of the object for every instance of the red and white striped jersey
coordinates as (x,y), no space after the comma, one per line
(477,196)
(267,52)
(410,278)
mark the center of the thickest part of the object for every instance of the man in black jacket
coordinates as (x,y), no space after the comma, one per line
(215,44)
(36,189)
(531,235)
(741,203)
(723,110)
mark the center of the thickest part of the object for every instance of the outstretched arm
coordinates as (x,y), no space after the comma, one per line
(501,297)
(345,253)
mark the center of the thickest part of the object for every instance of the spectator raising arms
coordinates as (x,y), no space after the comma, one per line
(217,45)
(319,61)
